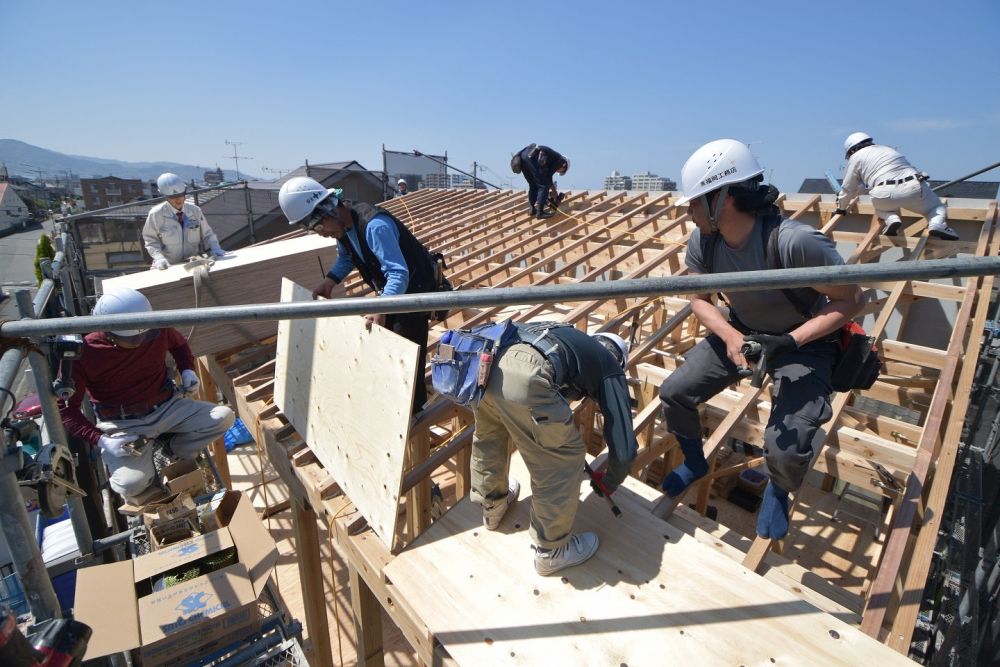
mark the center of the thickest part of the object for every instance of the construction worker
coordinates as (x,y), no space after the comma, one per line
(538,165)
(893,183)
(176,230)
(526,405)
(402,187)
(797,330)
(387,255)
(125,373)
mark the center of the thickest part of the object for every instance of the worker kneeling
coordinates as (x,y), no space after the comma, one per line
(125,373)
(519,386)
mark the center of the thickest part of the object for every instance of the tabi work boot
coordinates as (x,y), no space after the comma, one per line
(493,515)
(579,548)
(944,232)
(892,227)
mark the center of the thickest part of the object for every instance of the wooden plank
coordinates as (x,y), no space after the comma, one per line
(348,392)
(650,591)
(311,576)
(367,621)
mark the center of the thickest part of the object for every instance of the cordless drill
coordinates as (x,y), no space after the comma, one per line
(753,352)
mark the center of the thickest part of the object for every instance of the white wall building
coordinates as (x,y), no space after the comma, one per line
(14,212)
(617,182)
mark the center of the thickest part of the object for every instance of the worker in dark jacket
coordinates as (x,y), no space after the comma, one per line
(526,405)
(389,258)
(538,165)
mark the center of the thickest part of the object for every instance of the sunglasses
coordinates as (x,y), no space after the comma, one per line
(313,221)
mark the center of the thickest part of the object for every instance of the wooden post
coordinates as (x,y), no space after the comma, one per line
(209,392)
(418,499)
(367,621)
(311,579)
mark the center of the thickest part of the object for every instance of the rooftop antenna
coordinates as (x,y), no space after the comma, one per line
(279,172)
(236,157)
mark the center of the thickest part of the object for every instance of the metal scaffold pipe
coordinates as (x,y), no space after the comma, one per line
(509,296)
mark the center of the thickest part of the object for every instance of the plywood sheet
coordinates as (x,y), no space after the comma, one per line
(248,275)
(650,596)
(348,392)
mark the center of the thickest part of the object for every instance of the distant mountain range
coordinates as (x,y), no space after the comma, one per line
(26,160)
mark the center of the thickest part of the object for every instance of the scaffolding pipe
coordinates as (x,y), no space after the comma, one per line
(938,188)
(54,428)
(507,296)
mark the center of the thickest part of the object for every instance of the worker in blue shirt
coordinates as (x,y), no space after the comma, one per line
(386,254)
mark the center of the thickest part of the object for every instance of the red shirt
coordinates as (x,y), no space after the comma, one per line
(119,376)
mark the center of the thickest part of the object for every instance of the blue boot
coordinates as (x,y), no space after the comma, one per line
(694,467)
(773,520)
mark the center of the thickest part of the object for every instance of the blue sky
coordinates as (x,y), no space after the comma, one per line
(632,86)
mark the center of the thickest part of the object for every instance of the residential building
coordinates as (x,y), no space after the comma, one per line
(14,213)
(436,181)
(648,181)
(214,177)
(109,191)
(617,182)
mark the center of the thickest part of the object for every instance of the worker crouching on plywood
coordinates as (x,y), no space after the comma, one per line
(136,402)
(389,258)
(524,402)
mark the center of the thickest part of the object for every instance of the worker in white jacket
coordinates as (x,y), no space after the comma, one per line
(175,229)
(893,183)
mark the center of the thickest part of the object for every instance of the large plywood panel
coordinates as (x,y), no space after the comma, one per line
(248,275)
(651,595)
(348,392)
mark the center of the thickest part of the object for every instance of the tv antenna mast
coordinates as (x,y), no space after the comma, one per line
(279,172)
(237,157)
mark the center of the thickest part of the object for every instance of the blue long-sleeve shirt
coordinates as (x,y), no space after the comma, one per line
(383,239)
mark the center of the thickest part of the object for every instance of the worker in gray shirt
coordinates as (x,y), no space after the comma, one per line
(893,183)
(176,229)
(737,225)
(526,404)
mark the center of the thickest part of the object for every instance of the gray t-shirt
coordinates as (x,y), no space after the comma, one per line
(769,311)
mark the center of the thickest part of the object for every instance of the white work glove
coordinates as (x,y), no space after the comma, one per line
(160,263)
(189,381)
(117,445)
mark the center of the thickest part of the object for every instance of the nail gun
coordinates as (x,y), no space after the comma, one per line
(753,352)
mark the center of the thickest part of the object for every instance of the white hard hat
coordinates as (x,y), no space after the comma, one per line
(300,195)
(170,185)
(402,180)
(621,346)
(853,140)
(717,163)
(123,300)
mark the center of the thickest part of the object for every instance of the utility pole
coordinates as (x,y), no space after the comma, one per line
(236,157)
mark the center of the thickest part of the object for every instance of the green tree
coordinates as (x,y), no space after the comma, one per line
(43,249)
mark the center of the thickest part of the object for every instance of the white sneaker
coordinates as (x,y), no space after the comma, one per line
(493,515)
(945,233)
(892,228)
(580,547)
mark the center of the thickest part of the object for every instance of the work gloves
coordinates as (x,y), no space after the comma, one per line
(774,345)
(189,381)
(118,445)
(160,263)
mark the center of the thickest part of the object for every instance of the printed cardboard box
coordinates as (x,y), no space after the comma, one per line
(193,618)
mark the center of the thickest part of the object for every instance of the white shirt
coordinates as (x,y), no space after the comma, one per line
(164,238)
(870,166)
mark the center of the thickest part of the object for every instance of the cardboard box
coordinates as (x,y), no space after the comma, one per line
(184,476)
(172,625)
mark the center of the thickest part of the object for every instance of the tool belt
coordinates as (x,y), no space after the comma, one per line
(106,411)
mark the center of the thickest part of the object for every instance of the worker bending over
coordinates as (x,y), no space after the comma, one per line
(125,373)
(176,230)
(538,164)
(526,404)
(389,258)
(738,228)
(893,183)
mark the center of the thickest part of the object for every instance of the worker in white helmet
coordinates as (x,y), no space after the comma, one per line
(133,395)
(526,404)
(176,229)
(386,254)
(740,229)
(893,184)
(402,187)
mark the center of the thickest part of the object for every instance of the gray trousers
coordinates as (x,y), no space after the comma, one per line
(800,405)
(193,425)
(523,408)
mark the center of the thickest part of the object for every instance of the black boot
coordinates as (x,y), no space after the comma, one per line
(542,215)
